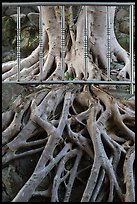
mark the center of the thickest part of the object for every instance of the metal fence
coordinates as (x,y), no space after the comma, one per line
(130,82)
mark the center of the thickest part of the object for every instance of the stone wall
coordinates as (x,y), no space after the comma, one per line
(10,10)
(29,34)
(122,26)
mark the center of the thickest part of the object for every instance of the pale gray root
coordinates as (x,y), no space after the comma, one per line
(101,159)
(98,40)
(63,172)
(73,174)
(9,69)
(63,124)
(128,175)
(28,189)
(99,184)
(17,123)
(74,63)
(53,141)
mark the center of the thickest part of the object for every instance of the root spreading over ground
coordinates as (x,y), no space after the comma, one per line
(85,138)
(81,138)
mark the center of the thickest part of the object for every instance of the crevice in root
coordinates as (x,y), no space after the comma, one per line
(51,70)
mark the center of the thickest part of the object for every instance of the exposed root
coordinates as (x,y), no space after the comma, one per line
(64,125)
(73,50)
(83,136)
(128,175)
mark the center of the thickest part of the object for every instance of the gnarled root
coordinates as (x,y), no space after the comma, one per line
(84,137)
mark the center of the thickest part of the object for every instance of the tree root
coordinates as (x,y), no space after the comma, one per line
(81,133)
(73,49)
(64,125)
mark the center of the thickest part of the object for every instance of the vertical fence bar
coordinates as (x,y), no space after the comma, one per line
(41,45)
(18,43)
(85,43)
(108,42)
(131,44)
(62,40)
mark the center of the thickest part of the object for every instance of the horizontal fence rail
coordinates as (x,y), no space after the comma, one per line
(72,82)
(67,3)
(131,82)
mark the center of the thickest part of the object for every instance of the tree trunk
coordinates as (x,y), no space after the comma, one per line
(83,136)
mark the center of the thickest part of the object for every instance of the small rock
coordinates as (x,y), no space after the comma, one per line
(124,26)
(121,13)
(10,177)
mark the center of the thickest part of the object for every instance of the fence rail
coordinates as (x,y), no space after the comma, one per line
(68,3)
(131,82)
